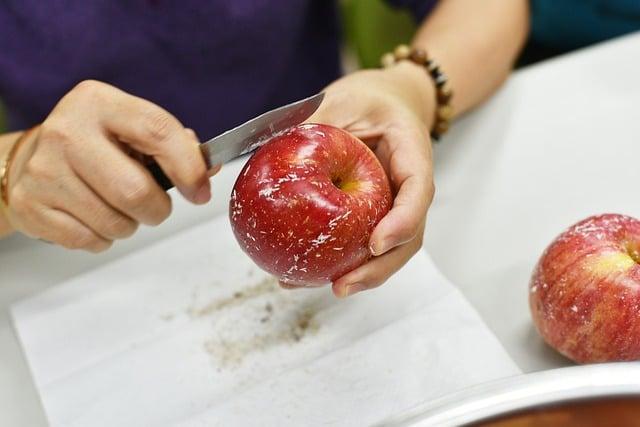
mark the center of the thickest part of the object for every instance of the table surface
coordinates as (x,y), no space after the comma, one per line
(556,144)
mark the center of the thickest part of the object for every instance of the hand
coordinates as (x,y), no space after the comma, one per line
(75,182)
(390,110)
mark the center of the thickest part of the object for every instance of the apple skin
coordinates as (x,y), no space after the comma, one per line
(584,294)
(289,215)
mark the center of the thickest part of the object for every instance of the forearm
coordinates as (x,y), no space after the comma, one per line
(475,43)
(6,141)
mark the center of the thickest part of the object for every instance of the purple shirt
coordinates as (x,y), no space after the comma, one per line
(212,63)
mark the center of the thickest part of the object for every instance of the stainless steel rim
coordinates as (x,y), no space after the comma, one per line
(522,392)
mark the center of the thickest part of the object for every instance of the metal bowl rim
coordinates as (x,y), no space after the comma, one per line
(527,391)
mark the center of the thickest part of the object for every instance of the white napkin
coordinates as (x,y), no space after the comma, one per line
(190,332)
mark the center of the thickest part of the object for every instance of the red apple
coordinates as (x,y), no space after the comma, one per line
(304,206)
(585,291)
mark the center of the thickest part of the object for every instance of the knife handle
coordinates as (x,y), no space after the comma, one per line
(157,173)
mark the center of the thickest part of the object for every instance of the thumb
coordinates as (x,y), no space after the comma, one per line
(321,115)
(331,112)
(343,110)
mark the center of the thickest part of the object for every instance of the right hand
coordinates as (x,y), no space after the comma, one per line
(75,183)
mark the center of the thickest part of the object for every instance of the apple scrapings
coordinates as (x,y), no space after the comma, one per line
(585,291)
(306,203)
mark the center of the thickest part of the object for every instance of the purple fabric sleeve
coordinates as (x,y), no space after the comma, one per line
(211,63)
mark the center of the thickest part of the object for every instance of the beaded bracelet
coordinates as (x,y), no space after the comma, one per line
(444,112)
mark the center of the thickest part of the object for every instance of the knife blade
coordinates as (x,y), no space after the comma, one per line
(248,136)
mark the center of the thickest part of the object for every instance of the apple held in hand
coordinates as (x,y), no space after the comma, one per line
(585,291)
(304,206)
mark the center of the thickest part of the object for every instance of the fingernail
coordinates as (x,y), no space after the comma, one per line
(378,249)
(204,194)
(354,289)
(372,249)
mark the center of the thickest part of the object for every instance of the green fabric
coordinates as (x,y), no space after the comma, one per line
(373,28)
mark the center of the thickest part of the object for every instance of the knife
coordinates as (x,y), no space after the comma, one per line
(249,136)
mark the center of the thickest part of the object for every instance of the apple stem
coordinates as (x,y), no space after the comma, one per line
(633,252)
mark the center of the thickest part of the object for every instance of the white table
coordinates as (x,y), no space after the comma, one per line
(559,142)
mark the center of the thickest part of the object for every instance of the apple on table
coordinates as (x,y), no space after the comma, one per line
(585,291)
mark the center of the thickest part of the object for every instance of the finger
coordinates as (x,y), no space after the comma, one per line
(337,110)
(65,230)
(151,130)
(191,132)
(285,285)
(406,158)
(402,222)
(323,113)
(120,180)
(215,168)
(79,201)
(362,128)
(375,272)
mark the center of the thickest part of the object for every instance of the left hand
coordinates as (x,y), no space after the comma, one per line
(391,111)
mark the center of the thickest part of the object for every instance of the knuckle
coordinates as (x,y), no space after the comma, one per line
(40,169)
(158,125)
(52,133)
(136,192)
(419,240)
(19,200)
(80,239)
(89,88)
(119,226)
(55,135)
(406,232)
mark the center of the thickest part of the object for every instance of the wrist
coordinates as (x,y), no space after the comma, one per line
(443,92)
(418,88)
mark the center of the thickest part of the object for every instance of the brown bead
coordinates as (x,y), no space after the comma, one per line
(402,51)
(445,112)
(387,60)
(441,127)
(419,56)
(444,94)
